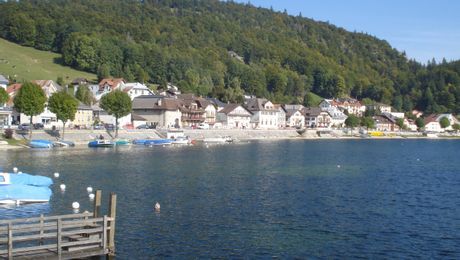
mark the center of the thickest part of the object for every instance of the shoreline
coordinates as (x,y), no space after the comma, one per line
(82,137)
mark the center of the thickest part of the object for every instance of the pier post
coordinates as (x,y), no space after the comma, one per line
(10,240)
(111,235)
(97,204)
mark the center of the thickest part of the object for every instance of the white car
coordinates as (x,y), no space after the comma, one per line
(203,126)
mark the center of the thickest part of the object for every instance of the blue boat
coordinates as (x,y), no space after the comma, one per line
(141,141)
(101,143)
(38,143)
(24,188)
(158,142)
(28,179)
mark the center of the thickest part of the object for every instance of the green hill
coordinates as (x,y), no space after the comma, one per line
(225,49)
(26,63)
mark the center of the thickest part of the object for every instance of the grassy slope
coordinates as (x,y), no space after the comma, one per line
(29,64)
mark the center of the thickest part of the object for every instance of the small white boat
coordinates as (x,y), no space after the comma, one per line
(182,140)
(223,139)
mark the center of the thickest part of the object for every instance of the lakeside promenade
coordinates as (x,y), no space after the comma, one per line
(82,137)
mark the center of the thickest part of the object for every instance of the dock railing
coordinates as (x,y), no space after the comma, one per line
(63,237)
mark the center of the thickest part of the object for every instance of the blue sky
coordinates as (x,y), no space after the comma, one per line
(425,29)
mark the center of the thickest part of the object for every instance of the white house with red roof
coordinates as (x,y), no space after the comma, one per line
(46,117)
(432,122)
(353,106)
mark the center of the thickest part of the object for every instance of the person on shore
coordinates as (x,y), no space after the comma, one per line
(101,137)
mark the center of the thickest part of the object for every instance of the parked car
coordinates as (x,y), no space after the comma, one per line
(98,127)
(144,126)
(203,126)
(38,126)
(24,126)
(109,126)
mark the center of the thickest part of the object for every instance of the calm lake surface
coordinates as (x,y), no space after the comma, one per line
(306,199)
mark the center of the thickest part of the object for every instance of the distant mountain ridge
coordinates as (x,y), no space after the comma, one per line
(226,49)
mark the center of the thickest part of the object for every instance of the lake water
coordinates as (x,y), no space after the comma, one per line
(286,199)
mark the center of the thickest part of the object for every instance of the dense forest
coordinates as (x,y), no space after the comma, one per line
(225,49)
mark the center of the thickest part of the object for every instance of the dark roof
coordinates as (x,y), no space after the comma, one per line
(82,106)
(382,119)
(257,104)
(136,117)
(312,111)
(155,102)
(216,102)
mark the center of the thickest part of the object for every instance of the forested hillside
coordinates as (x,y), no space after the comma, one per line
(226,49)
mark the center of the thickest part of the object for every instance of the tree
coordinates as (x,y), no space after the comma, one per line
(352,121)
(367,122)
(400,123)
(64,106)
(118,104)
(444,122)
(30,100)
(3,96)
(420,123)
(84,95)
(456,127)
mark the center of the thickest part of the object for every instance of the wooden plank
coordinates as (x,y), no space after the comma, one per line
(27,249)
(30,237)
(42,221)
(36,219)
(82,242)
(104,234)
(58,239)
(82,248)
(112,214)
(10,241)
(97,204)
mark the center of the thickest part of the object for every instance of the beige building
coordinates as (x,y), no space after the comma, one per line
(234,116)
(160,111)
(83,117)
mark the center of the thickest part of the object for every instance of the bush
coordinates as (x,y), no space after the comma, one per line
(8,133)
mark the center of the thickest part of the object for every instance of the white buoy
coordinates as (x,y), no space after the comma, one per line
(15,170)
(338,166)
(91,196)
(89,189)
(19,172)
(157,206)
(62,186)
(56,175)
(75,205)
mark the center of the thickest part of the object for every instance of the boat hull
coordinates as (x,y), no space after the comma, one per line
(101,143)
(40,144)
(18,193)
(158,142)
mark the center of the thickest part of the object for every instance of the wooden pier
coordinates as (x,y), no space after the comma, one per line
(70,236)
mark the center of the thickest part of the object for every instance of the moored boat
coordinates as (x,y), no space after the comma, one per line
(24,188)
(182,140)
(39,143)
(62,143)
(155,142)
(223,139)
(121,142)
(101,143)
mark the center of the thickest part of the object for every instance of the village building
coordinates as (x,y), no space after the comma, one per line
(379,108)
(136,89)
(158,111)
(83,117)
(294,116)
(281,115)
(107,85)
(351,105)
(432,122)
(264,113)
(49,87)
(385,123)
(315,117)
(234,116)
